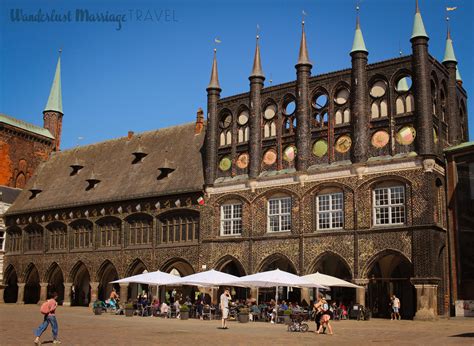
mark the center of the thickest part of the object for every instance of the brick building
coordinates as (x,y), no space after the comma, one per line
(341,173)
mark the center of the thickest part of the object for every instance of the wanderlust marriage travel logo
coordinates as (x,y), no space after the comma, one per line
(87,16)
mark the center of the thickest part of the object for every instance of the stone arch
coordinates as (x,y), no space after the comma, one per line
(332,263)
(106,273)
(182,266)
(81,289)
(32,284)
(10,280)
(136,267)
(231,196)
(55,279)
(231,265)
(327,185)
(399,74)
(370,183)
(278,190)
(389,272)
(277,261)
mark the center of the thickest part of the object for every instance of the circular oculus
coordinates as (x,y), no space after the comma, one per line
(226,121)
(269,158)
(243,118)
(343,144)
(406,135)
(320,148)
(289,154)
(342,96)
(243,161)
(269,112)
(225,164)
(380,139)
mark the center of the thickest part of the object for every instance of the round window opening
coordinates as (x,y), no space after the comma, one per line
(226,120)
(378,89)
(243,118)
(404,84)
(342,96)
(269,112)
(320,101)
(290,108)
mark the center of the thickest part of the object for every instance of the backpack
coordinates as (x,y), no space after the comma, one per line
(45,308)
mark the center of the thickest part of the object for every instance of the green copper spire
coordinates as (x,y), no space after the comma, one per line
(458,75)
(214,82)
(358,45)
(55,101)
(449,51)
(418,26)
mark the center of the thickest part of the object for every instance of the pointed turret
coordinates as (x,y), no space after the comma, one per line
(303,56)
(53,112)
(458,75)
(257,64)
(449,50)
(418,26)
(214,83)
(358,45)
(55,102)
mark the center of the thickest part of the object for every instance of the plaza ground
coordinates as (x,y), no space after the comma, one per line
(78,326)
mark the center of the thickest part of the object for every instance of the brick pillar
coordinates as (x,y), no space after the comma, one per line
(426,302)
(124,292)
(303,132)
(360,292)
(255,141)
(43,292)
(94,292)
(67,294)
(452,107)
(213,95)
(21,293)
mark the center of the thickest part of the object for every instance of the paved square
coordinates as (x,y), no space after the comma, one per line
(78,326)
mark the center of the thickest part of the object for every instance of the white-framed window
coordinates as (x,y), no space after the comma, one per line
(231,219)
(279,214)
(2,241)
(330,211)
(389,205)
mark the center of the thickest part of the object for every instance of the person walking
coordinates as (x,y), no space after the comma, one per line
(395,308)
(48,309)
(224,305)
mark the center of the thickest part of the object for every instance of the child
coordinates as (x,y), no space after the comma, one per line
(48,309)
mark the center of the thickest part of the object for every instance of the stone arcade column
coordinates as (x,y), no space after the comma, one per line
(94,292)
(360,292)
(124,292)
(43,292)
(305,294)
(426,300)
(254,293)
(21,293)
(2,292)
(67,294)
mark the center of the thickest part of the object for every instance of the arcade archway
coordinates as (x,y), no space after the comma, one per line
(289,294)
(81,289)
(178,267)
(32,285)
(231,265)
(107,273)
(10,294)
(389,273)
(137,267)
(55,281)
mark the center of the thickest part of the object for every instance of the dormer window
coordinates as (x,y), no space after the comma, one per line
(35,192)
(92,181)
(164,172)
(138,155)
(76,167)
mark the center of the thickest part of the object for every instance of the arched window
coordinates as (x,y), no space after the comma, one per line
(14,240)
(289,122)
(34,238)
(81,234)
(378,94)
(399,105)
(330,209)
(320,105)
(225,125)
(404,103)
(243,128)
(443,104)
(179,227)
(341,102)
(139,229)
(279,214)
(57,236)
(109,230)
(389,204)
(409,103)
(434,97)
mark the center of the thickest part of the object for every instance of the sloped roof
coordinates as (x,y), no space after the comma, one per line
(6,119)
(8,194)
(111,162)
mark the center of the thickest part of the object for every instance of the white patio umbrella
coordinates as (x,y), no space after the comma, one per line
(209,278)
(328,280)
(275,278)
(152,278)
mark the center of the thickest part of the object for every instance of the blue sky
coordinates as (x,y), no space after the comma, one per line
(153,72)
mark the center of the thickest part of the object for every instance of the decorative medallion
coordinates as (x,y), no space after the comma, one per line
(289,153)
(380,139)
(406,135)
(243,118)
(320,148)
(343,144)
(269,112)
(225,164)
(269,158)
(243,161)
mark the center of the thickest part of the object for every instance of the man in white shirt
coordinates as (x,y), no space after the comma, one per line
(395,308)
(224,305)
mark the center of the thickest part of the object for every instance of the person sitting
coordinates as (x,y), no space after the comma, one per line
(177,307)
(284,306)
(254,312)
(155,307)
(164,309)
